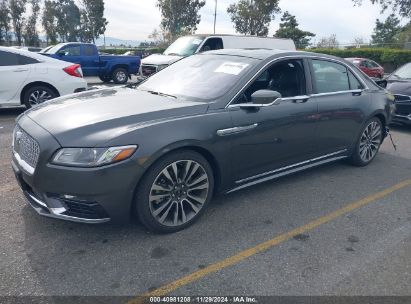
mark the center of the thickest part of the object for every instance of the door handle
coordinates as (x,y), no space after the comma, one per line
(20,70)
(357,92)
(298,99)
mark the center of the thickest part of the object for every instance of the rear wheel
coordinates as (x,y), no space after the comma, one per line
(120,76)
(37,95)
(369,143)
(105,79)
(175,192)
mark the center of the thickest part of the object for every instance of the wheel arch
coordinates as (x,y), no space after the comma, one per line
(34,84)
(117,66)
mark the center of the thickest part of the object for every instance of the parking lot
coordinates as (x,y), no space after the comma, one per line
(333,230)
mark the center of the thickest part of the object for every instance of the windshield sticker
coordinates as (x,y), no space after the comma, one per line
(197,41)
(233,68)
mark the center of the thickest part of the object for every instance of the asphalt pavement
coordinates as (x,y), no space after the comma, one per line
(332,230)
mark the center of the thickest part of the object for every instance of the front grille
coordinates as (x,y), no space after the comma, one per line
(84,210)
(25,147)
(402,99)
(148,70)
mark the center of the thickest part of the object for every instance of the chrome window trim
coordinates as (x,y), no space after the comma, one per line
(302,58)
(290,166)
(337,93)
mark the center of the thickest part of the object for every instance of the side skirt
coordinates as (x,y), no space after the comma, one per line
(288,170)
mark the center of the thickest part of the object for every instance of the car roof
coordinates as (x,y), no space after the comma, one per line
(263,54)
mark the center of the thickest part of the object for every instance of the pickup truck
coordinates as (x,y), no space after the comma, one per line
(108,67)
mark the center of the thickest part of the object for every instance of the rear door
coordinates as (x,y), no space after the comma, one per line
(13,73)
(90,60)
(342,103)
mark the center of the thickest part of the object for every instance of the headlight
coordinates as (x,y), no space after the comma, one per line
(161,67)
(92,157)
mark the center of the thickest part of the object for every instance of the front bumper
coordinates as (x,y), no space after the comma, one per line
(86,195)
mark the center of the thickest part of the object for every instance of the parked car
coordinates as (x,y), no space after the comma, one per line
(28,48)
(399,83)
(189,45)
(369,67)
(43,51)
(28,79)
(219,121)
(107,68)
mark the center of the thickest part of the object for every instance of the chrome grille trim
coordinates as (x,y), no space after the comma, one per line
(25,149)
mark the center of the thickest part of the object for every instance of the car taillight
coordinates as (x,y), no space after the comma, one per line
(74,70)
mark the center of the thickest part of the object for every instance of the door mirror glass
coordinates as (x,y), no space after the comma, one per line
(265,97)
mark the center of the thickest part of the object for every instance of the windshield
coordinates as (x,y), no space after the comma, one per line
(184,46)
(54,49)
(404,71)
(202,77)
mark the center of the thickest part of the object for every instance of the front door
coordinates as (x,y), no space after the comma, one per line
(279,135)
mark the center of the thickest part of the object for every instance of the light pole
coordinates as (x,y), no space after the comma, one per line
(215,15)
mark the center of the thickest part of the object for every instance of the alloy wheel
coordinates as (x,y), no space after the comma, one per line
(370,141)
(121,76)
(39,96)
(179,193)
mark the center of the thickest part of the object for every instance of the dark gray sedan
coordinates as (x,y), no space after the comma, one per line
(215,122)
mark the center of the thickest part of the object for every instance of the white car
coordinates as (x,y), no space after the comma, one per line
(28,79)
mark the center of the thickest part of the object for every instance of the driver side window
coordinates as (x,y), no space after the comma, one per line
(286,77)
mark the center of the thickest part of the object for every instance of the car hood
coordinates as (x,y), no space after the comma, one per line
(402,87)
(94,118)
(160,59)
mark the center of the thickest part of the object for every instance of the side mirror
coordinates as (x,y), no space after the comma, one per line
(265,98)
(61,53)
(380,82)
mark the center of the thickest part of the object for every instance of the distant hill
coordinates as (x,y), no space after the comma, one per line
(117,42)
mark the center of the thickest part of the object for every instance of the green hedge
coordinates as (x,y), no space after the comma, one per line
(383,56)
(120,51)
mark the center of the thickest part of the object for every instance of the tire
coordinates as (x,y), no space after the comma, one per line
(37,95)
(369,143)
(162,208)
(120,76)
(105,79)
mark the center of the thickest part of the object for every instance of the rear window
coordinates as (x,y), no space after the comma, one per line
(8,59)
(27,60)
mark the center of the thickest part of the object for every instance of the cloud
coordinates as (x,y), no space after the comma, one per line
(135,20)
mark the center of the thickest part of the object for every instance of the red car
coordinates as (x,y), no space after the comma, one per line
(369,67)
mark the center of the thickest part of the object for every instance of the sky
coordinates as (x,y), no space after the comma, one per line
(136,19)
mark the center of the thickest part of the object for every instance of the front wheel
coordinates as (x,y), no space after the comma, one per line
(175,192)
(368,144)
(120,76)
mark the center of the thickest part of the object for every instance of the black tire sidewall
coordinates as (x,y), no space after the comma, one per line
(356,158)
(105,79)
(141,201)
(28,92)
(114,76)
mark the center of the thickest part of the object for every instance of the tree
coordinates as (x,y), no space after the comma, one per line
(31,37)
(93,21)
(253,17)
(17,9)
(4,22)
(386,32)
(289,29)
(180,17)
(49,22)
(68,20)
(159,37)
(330,42)
(403,7)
